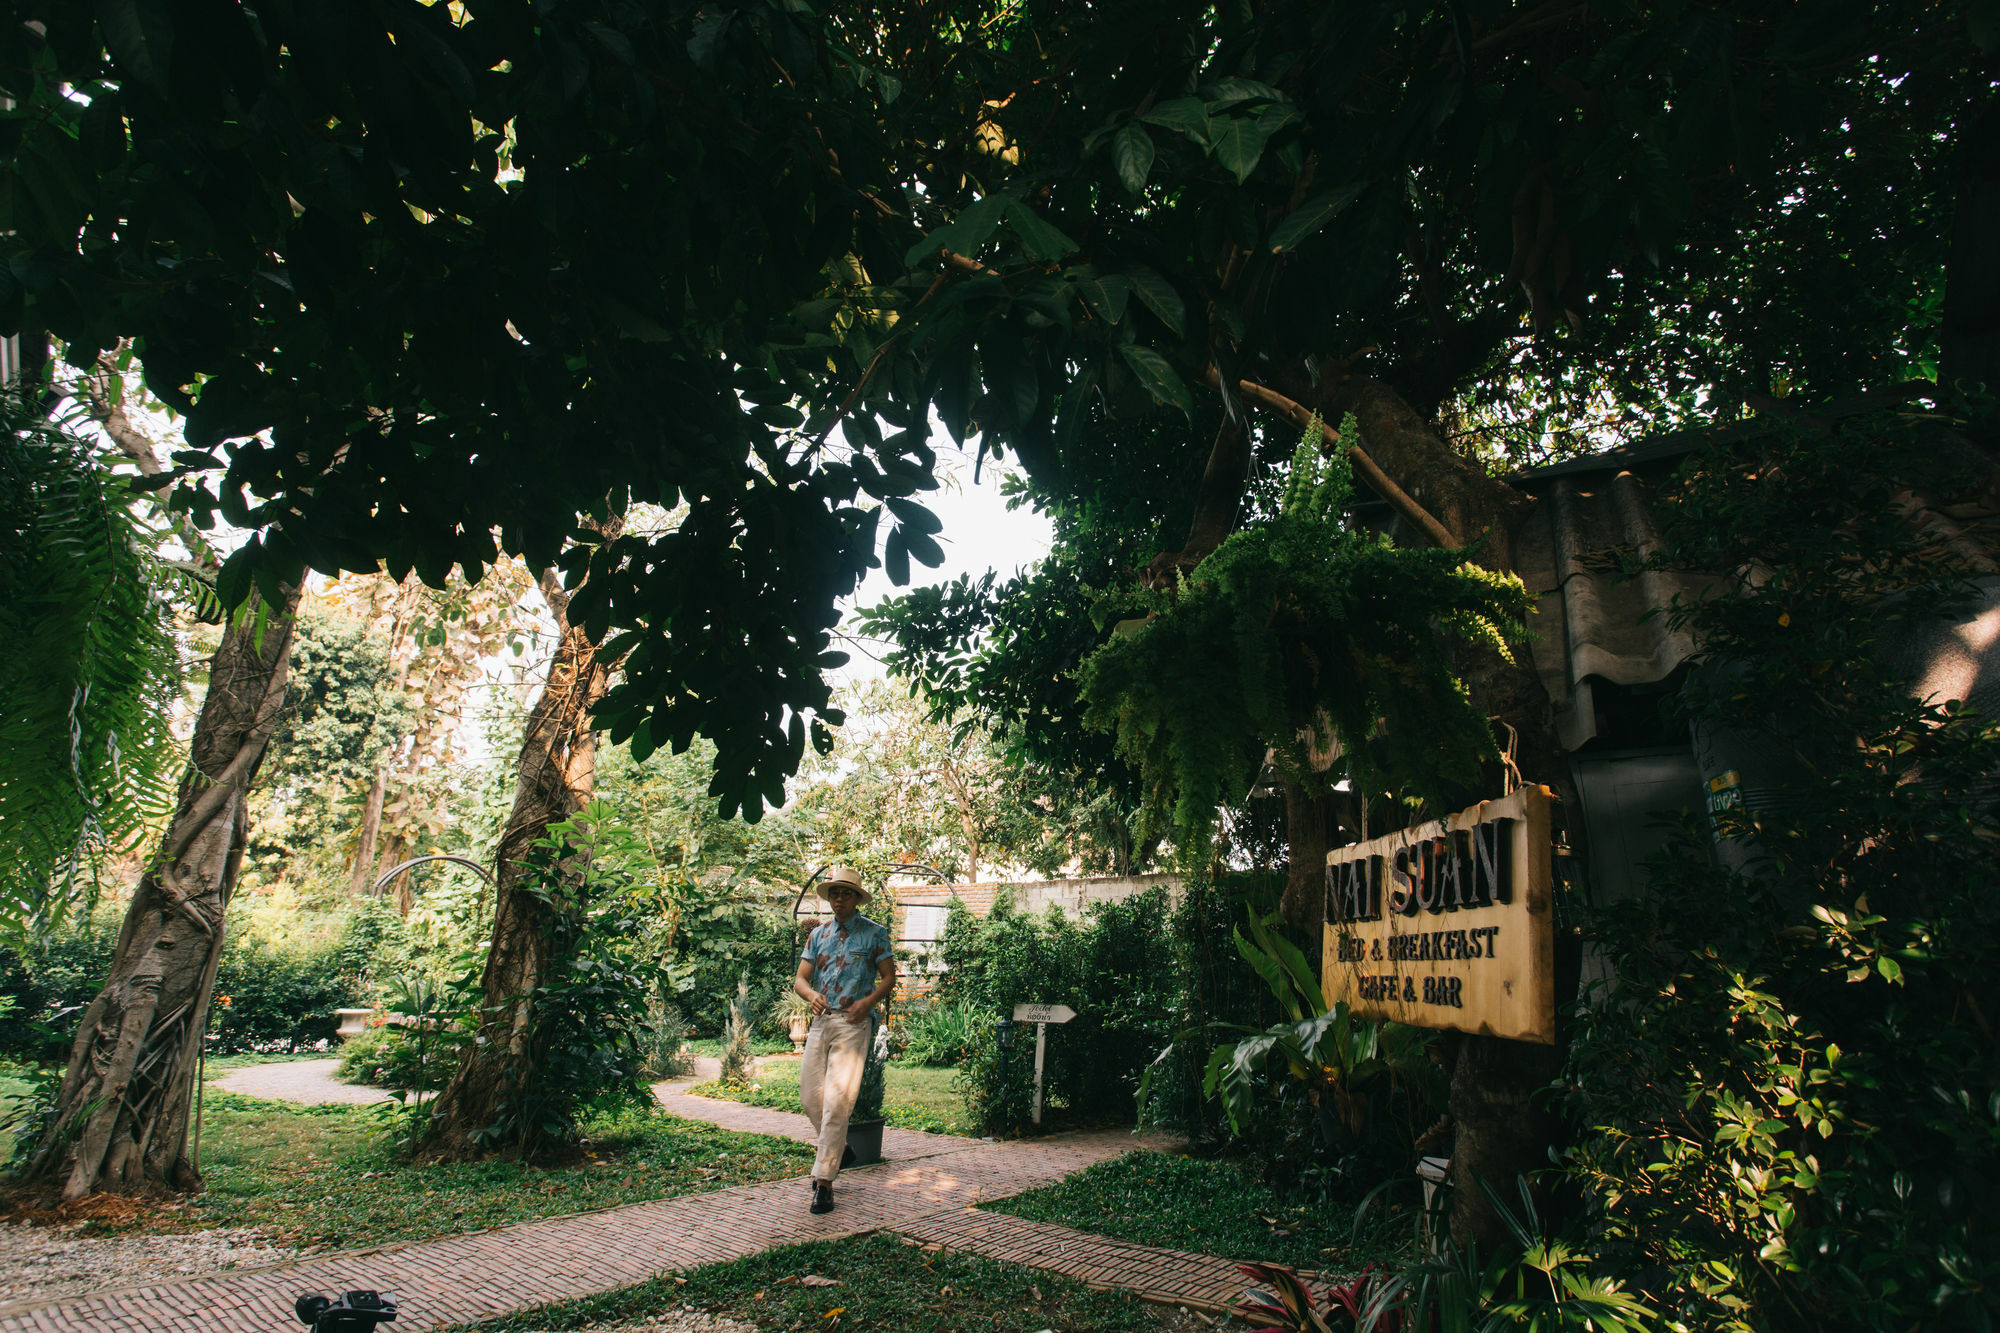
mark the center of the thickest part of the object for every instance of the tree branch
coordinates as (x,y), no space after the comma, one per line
(1370,471)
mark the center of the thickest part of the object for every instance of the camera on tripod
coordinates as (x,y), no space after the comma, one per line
(354,1312)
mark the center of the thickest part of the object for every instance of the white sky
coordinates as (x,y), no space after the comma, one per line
(980,533)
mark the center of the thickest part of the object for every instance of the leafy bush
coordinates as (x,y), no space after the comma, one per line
(267,995)
(1111,967)
(390,1056)
(1316,1093)
(939,1033)
(714,934)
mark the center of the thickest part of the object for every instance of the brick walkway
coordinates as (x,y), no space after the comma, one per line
(485,1273)
(1169,1277)
(927,1191)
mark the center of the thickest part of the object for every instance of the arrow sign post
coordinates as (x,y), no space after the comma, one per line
(1041,1015)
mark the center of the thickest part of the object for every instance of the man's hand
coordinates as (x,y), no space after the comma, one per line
(819,1004)
(858,1011)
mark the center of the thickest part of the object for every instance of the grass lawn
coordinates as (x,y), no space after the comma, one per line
(712,1046)
(913,1096)
(327,1175)
(1209,1206)
(885,1284)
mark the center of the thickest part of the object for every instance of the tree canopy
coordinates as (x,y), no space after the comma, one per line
(432,281)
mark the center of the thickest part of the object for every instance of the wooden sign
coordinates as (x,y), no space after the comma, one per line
(1041,1015)
(1449,924)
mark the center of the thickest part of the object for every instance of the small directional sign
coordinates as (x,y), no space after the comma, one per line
(1041,1015)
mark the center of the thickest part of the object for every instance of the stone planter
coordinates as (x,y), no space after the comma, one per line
(865,1138)
(800,1023)
(353,1022)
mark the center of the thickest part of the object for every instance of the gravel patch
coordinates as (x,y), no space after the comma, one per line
(50,1263)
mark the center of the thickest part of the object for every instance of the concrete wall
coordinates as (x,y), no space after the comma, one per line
(1036,897)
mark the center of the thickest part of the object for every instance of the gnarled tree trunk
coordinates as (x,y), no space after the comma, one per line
(121,1123)
(556,776)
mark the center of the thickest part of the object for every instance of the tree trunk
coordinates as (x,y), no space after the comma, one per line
(556,776)
(1312,829)
(1502,1131)
(361,880)
(122,1114)
(399,607)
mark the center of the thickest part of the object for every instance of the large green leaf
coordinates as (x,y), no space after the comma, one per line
(1266,965)
(965,234)
(1157,374)
(1132,153)
(1189,115)
(140,35)
(1291,958)
(1239,143)
(1158,295)
(1106,296)
(1310,216)
(1040,240)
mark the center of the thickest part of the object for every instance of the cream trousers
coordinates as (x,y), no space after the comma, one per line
(829,1079)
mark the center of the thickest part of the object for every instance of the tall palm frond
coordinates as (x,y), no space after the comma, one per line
(88,669)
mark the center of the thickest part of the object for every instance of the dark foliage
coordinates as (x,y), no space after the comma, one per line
(1790,1086)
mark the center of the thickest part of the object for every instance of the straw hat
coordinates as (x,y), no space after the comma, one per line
(847,875)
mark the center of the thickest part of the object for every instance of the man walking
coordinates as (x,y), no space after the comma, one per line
(846,970)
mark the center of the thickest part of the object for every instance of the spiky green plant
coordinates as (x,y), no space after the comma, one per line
(736,1059)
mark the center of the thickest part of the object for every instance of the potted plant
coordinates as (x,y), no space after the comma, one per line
(864,1126)
(797,1014)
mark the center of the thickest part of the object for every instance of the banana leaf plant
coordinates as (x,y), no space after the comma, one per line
(1336,1058)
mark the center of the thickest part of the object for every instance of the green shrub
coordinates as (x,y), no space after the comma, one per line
(940,1033)
(267,995)
(1111,967)
(388,1057)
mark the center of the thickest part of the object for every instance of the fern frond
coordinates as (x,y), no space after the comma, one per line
(88,667)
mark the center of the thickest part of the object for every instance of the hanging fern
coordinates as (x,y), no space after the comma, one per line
(88,669)
(1303,630)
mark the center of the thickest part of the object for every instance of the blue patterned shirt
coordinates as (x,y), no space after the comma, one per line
(847,958)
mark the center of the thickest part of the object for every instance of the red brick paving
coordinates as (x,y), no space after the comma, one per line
(926,1190)
(486,1273)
